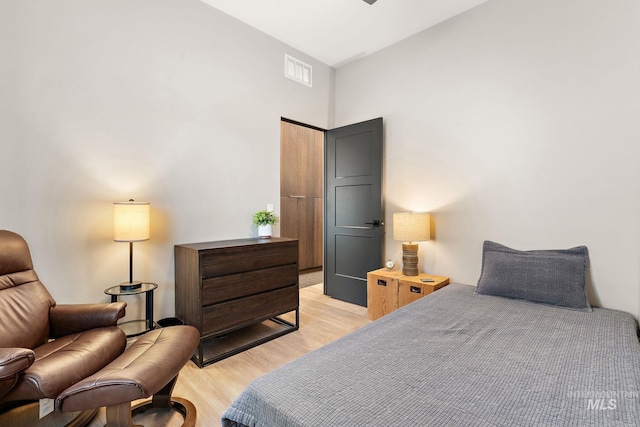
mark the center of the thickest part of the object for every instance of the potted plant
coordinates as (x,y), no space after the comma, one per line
(264,220)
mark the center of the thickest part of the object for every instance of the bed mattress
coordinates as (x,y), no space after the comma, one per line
(457,358)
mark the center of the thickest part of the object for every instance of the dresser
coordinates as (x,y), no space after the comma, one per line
(234,292)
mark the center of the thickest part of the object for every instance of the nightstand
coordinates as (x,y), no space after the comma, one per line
(134,328)
(388,290)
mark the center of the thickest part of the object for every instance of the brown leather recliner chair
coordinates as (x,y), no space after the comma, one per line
(45,347)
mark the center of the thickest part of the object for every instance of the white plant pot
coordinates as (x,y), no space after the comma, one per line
(264,231)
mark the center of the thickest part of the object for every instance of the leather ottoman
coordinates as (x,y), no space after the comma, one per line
(149,367)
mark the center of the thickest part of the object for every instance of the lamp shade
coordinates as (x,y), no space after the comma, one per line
(411,227)
(130,221)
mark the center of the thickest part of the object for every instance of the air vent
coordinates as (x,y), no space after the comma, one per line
(297,70)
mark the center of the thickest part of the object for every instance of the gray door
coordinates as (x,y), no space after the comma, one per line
(353,210)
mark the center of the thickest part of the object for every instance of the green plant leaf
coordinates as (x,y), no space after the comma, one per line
(265,218)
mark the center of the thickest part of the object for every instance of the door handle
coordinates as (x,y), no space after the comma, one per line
(375,223)
(297,197)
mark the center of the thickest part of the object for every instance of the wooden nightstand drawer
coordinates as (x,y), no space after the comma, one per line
(411,288)
(409,292)
(382,294)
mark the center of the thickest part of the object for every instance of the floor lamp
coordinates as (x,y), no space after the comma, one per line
(130,224)
(410,228)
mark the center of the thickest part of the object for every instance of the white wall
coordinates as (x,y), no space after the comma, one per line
(166,101)
(518,122)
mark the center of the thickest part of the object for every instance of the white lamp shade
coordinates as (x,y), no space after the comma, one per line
(411,227)
(130,221)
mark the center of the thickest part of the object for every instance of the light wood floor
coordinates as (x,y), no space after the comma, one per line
(213,388)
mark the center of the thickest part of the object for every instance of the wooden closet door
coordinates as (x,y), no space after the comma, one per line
(301,190)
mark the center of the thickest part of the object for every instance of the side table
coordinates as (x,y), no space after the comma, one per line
(134,328)
(388,290)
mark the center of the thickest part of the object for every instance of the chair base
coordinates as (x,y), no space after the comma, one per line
(83,418)
(121,415)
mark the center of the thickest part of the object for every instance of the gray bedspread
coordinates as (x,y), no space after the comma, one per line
(457,358)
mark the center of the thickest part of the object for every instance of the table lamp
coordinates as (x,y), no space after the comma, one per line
(410,228)
(130,224)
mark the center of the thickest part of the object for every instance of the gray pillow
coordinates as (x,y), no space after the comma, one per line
(556,277)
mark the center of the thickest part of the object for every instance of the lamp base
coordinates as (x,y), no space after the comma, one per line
(410,259)
(129,286)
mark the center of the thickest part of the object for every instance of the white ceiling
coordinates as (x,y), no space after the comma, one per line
(338,31)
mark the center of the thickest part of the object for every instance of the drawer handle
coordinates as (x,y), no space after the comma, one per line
(298,197)
(414,289)
(382,282)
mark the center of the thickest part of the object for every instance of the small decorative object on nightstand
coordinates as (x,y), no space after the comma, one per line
(134,328)
(389,290)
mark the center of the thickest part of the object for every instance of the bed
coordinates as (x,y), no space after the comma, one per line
(468,356)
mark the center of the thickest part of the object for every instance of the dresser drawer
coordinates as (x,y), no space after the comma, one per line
(241,259)
(220,318)
(224,288)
